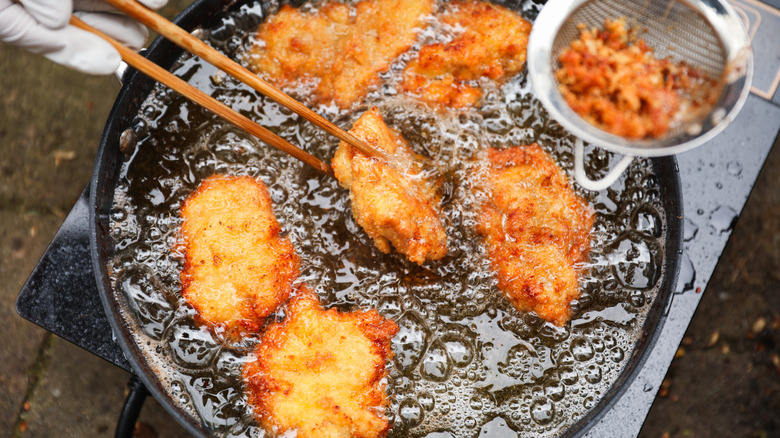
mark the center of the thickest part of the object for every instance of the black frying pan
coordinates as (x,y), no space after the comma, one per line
(108,163)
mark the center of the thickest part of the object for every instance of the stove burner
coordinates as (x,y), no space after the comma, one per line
(61,294)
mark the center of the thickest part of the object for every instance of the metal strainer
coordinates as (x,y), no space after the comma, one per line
(706,34)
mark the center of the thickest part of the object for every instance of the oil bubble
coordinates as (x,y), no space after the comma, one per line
(647,219)
(593,373)
(191,346)
(542,411)
(436,365)
(498,428)
(634,262)
(148,300)
(597,343)
(411,339)
(427,401)
(581,349)
(555,390)
(411,412)
(568,376)
(390,306)
(179,392)
(636,298)
(589,402)
(460,351)
(616,354)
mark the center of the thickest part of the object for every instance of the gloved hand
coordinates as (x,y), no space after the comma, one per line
(41,26)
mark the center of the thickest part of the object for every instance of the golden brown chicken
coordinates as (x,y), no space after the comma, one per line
(321,372)
(536,231)
(394,203)
(492,45)
(238,268)
(338,50)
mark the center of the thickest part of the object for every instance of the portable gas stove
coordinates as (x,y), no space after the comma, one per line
(61,294)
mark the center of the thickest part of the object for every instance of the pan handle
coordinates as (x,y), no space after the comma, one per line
(125,427)
(603,183)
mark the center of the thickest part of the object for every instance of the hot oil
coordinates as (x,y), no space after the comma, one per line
(466,362)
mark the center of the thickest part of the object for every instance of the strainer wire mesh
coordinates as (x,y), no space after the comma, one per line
(671,27)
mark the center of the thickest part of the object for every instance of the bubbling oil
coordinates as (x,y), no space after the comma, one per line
(466,362)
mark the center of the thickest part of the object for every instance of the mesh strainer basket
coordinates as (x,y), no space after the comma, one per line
(706,34)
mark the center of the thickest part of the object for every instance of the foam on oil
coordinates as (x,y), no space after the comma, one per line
(466,362)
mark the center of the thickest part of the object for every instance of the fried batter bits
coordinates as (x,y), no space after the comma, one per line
(615,82)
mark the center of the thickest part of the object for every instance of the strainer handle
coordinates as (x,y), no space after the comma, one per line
(603,183)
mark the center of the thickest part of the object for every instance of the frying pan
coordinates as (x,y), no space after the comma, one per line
(107,175)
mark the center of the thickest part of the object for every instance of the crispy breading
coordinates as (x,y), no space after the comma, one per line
(492,45)
(536,231)
(615,82)
(394,203)
(238,268)
(338,50)
(321,372)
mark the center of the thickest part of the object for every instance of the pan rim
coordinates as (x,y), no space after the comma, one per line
(100,240)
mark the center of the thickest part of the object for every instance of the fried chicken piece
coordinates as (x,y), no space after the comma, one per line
(492,45)
(616,83)
(536,230)
(338,50)
(238,268)
(394,203)
(320,372)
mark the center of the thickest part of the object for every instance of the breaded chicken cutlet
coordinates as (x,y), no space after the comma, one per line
(492,45)
(339,50)
(238,268)
(321,372)
(536,230)
(394,203)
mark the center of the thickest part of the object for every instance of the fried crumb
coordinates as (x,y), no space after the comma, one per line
(613,80)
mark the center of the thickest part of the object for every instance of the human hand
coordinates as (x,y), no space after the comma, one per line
(41,27)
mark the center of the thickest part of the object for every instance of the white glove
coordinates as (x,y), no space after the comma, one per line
(41,27)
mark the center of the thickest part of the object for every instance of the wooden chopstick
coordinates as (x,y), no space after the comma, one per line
(185,40)
(161,75)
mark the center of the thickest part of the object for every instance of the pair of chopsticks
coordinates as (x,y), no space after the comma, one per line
(185,40)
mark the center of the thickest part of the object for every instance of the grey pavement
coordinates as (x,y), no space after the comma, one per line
(51,120)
